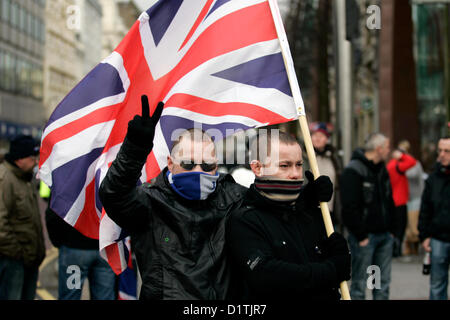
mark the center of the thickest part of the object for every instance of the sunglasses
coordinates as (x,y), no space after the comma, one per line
(189,165)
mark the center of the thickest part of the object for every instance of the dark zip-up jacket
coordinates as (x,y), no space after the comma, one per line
(276,251)
(63,234)
(434,217)
(366,197)
(179,244)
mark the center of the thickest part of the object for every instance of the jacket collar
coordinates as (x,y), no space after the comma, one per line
(22,175)
(441,170)
(359,154)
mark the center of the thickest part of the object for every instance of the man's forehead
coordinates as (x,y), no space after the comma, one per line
(188,147)
(286,152)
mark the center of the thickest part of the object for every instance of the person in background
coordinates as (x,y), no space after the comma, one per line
(397,167)
(368,212)
(237,150)
(22,247)
(75,249)
(329,164)
(434,221)
(242,173)
(416,184)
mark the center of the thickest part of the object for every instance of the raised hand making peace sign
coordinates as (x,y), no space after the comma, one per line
(141,130)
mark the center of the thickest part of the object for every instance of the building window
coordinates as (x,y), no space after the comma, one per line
(23,77)
(6,7)
(30,24)
(36,82)
(37,28)
(10,73)
(14,15)
(23,19)
(2,70)
(42,30)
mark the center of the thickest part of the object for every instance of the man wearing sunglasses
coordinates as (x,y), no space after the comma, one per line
(177,223)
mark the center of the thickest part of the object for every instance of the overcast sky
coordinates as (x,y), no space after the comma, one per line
(144,4)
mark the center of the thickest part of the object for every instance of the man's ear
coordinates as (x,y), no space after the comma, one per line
(256,166)
(18,163)
(170,163)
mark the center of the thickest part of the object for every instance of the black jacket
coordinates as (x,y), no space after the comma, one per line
(366,198)
(274,252)
(179,244)
(434,217)
(63,234)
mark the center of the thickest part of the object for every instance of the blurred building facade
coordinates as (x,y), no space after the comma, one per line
(118,17)
(432,53)
(399,69)
(90,34)
(61,66)
(46,48)
(22,42)
(73,46)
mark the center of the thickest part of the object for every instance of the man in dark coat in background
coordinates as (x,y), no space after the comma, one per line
(368,212)
(79,251)
(434,221)
(22,247)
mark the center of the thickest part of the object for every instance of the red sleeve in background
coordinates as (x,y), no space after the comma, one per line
(405,162)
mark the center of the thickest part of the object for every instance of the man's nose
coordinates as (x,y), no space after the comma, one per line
(295,174)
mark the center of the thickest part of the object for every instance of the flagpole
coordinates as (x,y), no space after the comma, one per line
(289,64)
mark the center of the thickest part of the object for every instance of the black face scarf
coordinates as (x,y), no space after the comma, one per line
(282,190)
(445,170)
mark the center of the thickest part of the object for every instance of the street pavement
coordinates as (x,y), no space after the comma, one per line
(408,282)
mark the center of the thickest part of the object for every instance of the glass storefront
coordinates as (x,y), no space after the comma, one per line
(431,51)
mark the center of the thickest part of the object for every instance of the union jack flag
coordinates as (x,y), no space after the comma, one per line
(214,62)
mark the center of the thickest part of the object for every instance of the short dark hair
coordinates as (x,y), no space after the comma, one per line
(266,135)
(195,134)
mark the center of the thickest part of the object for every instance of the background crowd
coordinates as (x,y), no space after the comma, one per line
(383,202)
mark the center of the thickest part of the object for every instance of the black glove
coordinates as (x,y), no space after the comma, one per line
(319,190)
(335,248)
(141,130)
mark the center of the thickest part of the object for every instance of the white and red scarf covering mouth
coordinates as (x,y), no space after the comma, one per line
(282,190)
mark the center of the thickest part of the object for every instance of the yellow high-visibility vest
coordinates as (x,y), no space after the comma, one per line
(44,190)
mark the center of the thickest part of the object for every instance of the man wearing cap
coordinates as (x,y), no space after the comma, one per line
(276,238)
(329,164)
(22,246)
